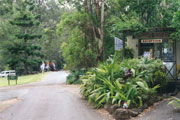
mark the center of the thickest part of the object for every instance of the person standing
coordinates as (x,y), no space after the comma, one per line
(47,66)
(42,67)
(54,66)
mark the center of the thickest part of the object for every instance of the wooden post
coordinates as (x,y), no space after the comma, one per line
(8,82)
(9,78)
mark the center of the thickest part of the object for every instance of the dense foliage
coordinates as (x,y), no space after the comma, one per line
(125,53)
(77,49)
(74,76)
(42,17)
(107,19)
(176,25)
(85,37)
(133,81)
(50,12)
(141,15)
(81,32)
(20,53)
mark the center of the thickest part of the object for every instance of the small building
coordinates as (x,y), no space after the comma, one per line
(157,43)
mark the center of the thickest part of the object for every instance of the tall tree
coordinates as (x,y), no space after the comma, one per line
(22,53)
(95,9)
(78,50)
(51,12)
(5,27)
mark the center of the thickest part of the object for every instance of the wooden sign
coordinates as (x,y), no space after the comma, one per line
(152,41)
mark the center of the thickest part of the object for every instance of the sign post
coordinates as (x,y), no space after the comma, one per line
(12,77)
(118,43)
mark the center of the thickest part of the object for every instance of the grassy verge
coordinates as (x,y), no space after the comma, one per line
(23,79)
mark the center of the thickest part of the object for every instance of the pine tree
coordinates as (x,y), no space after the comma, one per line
(23,53)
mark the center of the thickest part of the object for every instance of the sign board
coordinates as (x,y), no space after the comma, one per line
(118,43)
(169,66)
(152,41)
(12,77)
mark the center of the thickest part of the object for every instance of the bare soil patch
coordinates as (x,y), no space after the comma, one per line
(7,103)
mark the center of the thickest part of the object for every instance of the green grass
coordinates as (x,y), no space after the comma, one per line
(23,79)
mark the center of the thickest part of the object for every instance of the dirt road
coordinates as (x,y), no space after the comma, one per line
(49,99)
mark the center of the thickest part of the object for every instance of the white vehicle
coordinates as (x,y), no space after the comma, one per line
(6,73)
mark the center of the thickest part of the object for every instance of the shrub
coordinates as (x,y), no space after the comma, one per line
(132,81)
(175,102)
(126,52)
(147,69)
(74,76)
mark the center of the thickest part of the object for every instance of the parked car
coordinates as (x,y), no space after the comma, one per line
(6,73)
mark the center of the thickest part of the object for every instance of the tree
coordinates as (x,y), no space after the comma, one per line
(93,29)
(139,15)
(78,50)
(176,25)
(95,9)
(47,13)
(5,7)
(22,53)
(5,27)
(51,12)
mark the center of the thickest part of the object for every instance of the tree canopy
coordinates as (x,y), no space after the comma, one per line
(106,19)
(22,53)
(28,27)
(80,32)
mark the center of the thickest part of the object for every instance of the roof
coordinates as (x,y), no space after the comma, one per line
(151,33)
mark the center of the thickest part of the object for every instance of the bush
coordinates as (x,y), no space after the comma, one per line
(175,102)
(132,81)
(126,52)
(74,77)
(150,70)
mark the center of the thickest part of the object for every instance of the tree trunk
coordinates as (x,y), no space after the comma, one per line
(101,41)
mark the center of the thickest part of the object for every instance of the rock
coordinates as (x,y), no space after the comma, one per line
(108,107)
(113,108)
(178,94)
(145,106)
(138,110)
(159,98)
(121,114)
(150,102)
(165,95)
(133,113)
(124,114)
